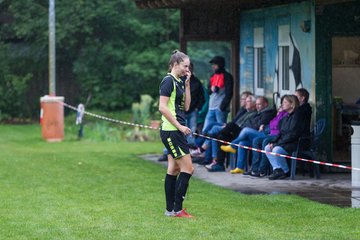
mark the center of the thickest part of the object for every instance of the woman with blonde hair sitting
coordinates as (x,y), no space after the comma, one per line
(286,142)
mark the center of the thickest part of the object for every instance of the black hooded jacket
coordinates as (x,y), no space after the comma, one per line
(305,112)
(228,82)
(197,94)
(261,118)
(290,131)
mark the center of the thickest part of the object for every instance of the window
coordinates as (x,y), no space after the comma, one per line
(283,54)
(259,74)
(249,65)
(284,71)
(259,62)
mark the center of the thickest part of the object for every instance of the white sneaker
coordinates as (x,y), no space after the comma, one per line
(170,214)
(195,152)
(209,166)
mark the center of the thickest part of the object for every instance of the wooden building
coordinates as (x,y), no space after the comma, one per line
(279,46)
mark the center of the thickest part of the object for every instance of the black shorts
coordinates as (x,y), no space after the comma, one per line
(175,142)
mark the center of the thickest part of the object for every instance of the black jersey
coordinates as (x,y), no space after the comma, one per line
(173,88)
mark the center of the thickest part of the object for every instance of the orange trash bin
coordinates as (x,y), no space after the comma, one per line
(52,118)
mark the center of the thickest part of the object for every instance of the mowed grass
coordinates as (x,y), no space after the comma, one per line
(103,190)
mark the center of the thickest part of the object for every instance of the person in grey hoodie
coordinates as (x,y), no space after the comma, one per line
(221,91)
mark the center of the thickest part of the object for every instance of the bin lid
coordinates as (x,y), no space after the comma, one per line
(48,98)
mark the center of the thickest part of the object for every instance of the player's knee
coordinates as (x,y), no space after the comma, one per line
(173,171)
(190,170)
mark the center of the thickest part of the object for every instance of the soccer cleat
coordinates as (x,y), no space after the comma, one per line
(237,170)
(169,214)
(228,148)
(183,214)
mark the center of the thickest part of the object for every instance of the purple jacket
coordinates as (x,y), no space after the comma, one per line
(274,123)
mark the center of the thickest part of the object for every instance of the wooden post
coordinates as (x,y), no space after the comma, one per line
(52,53)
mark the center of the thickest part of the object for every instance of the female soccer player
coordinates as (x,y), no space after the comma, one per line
(174,101)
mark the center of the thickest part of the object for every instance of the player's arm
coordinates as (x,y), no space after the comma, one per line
(187,91)
(163,108)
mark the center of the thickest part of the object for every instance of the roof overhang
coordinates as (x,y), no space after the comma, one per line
(239,4)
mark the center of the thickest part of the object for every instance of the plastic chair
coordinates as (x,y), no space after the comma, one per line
(311,152)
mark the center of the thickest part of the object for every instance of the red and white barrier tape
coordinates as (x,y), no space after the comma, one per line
(218,140)
(109,119)
(280,155)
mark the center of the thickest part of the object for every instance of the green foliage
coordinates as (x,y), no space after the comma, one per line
(155,113)
(96,130)
(107,132)
(141,111)
(142,115)
(136,112)
(114,50)
(13,87)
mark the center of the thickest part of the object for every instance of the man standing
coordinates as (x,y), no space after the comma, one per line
(221,91)
(197,101)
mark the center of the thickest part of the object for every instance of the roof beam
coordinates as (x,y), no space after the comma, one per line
(242,4)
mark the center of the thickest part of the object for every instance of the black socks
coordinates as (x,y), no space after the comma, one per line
(170,183)
(175,190)
(181,187)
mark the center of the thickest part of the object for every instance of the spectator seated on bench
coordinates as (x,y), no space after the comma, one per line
(310,152)
(251,129)
(291,130)
(263,115)
(259,163)
(207,147)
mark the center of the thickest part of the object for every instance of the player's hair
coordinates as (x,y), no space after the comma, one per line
(177,57)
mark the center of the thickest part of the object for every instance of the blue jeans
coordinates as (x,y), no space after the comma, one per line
(275,161)
(245,138)
(248,134)
(165,151)
(191,123)
(214,144)
(259,162)
(201,141)
(213,116)
(242,154)
(208,155)
(211,143)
